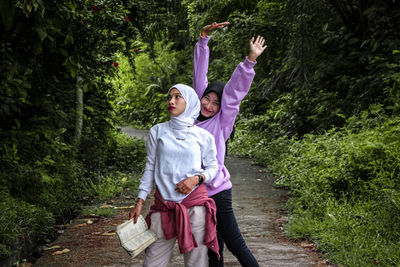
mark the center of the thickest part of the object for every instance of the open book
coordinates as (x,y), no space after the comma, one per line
(135,237)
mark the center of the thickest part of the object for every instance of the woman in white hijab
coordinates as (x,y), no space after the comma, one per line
(180,158)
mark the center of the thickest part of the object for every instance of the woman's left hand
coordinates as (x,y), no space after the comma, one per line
(256,48)
(186,186)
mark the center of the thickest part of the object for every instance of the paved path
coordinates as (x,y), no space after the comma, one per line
(131,132)
(257,205)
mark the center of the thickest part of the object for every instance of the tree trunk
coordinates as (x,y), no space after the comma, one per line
(79,112)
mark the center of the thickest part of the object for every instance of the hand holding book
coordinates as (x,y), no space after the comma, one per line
(138,209)
(135,237)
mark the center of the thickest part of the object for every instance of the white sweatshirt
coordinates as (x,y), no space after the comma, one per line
(170,160)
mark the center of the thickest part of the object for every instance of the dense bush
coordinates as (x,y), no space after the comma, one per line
(22,225)
(119,170)
(36,195)
(344,184)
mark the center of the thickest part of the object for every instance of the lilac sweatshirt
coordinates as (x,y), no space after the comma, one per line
(221,125)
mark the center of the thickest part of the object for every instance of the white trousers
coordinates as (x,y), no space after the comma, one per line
(159,253)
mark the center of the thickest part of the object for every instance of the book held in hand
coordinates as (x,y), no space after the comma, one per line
(135,237)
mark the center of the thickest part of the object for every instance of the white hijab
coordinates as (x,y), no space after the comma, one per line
(186,119)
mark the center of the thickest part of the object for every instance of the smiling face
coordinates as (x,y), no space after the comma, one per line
(209,105)
(176,104)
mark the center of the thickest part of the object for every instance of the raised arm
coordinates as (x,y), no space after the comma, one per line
(201,58)
(238,86)
(200,66)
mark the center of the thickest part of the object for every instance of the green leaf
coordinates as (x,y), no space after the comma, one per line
(28,9)
(69,39)
(61,131)
(72,71)
(89,108)
(46,178)
(48,160)
(36,5)
(42,34)
(70,5)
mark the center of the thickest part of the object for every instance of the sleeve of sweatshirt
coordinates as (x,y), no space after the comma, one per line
(235,90)
(209,157)
(200,65)
(147,180)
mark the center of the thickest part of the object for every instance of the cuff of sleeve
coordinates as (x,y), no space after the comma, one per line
(207,178)
(142,195)
(204,40)
(249,63)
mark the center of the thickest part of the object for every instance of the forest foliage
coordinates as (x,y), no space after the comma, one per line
(322,112)
(59,142)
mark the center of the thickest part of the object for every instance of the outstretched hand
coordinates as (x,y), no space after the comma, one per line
(213,26)
(256,48)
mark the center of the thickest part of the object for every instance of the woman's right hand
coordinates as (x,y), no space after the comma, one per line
(137,210)
(213,26)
